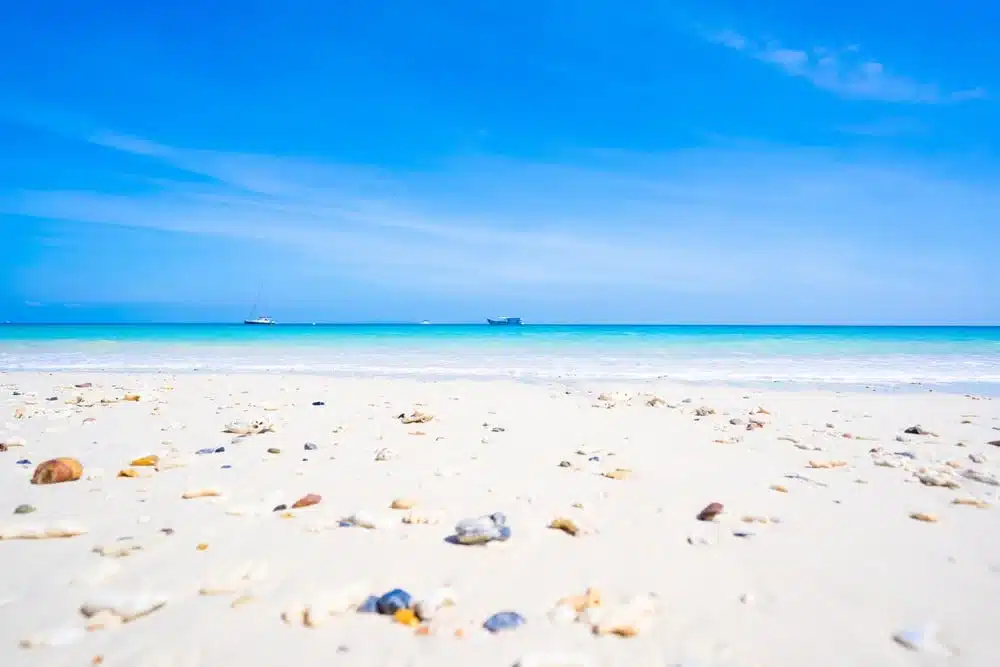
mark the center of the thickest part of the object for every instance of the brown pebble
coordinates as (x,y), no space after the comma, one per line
(779,488)
(403,504)
(307,500)
(710,511)
(922,516)
(55,471)
(567,526)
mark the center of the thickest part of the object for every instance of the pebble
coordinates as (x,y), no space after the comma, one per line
(310,446)
(318,403)
(981,477)
(307,500)
(128,606)
(483,529)
(391,602)
(273,450)
(504,620)
(24,509)
(710,511)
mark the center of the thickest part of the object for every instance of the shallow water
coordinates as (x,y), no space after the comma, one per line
(879,356)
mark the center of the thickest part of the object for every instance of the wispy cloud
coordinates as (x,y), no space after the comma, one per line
(734,221)
(845,72)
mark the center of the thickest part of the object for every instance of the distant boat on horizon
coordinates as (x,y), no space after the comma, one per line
(260,319)
(504,321)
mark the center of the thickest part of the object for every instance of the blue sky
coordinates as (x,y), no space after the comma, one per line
(592,161)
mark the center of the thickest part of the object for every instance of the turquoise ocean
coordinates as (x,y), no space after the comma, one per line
(959,358)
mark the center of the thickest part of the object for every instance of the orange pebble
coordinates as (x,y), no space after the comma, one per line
(406,617)
(202,547)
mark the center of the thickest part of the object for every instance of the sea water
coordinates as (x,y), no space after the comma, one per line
(957,357)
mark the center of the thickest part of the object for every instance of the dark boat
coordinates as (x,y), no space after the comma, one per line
(504,321)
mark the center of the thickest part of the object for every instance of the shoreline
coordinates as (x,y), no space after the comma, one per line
(963,388)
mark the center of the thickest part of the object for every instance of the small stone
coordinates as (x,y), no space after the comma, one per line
(918,430)
(393,601)
(273,450)
(923,516)
(24,509)
(318,403)
(779,488)
(307,500)
(710,511)
(704,411)
(310,446)
(403,504)
(504,620)
(147,461)
(280,508)
(406,617)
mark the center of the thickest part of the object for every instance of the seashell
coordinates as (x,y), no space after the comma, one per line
(403,504)
(364,519)
(307,500)
(580,603)
(971,502)
(128,472)
(416,417)
(704,411)
(200,493)
(568,526)
(55,471)
(503,621)
(779,488)
(626,619)
(826,464)
(655,401)
(930,478)
(922,516)
(150,460)
(117,549)
(255,427)
(981,477)
(43,532)
(128,606)
(618,473)
(710,511)
(385,454)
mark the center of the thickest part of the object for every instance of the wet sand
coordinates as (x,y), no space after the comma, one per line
(806,565)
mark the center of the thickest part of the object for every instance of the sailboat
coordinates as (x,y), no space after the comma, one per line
(259,319)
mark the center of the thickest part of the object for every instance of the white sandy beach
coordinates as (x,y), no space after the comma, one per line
(838,568)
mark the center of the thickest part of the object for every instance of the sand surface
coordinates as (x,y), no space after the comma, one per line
(837,570)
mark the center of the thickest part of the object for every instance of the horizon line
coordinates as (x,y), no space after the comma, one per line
(523,324)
